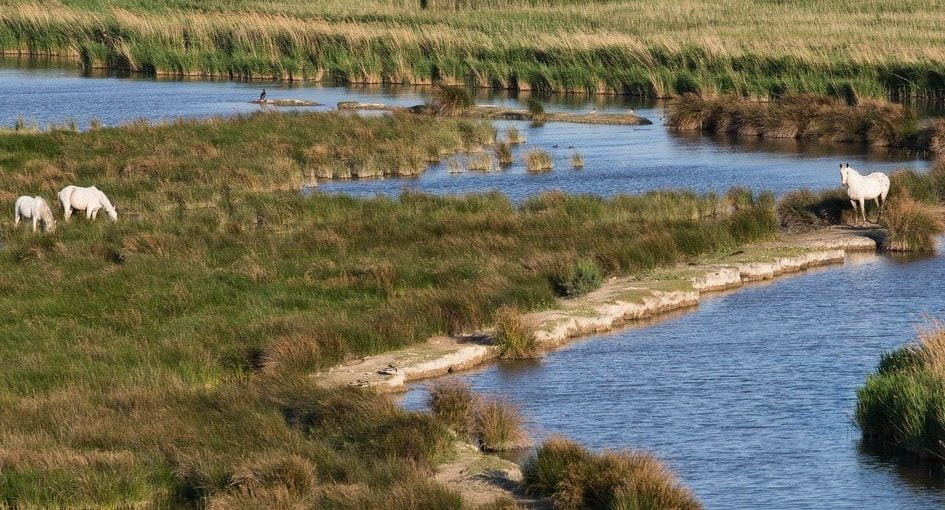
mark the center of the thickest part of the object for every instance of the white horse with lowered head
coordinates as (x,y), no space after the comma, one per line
(90,200)
(35,209)
(861,188)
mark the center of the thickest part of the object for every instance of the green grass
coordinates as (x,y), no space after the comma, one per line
(154,359)
(747,48)
(902,404)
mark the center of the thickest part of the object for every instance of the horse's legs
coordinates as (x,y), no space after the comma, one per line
(879,207)
(94,214)
(88,213)
(856,216)
(35,222)
(863,209)
(16,219)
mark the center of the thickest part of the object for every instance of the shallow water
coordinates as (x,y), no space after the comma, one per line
(749,397)
(618,159)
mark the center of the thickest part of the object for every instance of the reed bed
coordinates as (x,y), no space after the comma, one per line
(577,160)
(622,46)
(173,355)
(810,117)
(901,403)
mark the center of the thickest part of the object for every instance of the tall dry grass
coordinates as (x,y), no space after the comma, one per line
(912,225)
(623,46)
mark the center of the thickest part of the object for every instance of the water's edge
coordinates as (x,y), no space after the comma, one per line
(617,303)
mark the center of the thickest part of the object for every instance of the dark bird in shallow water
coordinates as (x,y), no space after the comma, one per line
(262,97)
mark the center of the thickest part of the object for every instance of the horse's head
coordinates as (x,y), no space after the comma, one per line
(112,213)
(844,174)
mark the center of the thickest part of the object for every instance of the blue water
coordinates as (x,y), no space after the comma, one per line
(618,159)
(750,397)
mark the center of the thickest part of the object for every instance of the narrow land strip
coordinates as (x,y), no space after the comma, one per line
(617,302)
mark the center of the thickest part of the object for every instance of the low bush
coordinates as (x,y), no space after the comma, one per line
(577,279)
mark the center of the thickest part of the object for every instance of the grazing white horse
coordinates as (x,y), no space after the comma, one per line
(90,200)
(35,209)
(861,188)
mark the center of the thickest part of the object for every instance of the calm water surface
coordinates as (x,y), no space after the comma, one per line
(618,159)
(750,397)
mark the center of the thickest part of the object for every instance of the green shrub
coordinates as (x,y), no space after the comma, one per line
(578,279)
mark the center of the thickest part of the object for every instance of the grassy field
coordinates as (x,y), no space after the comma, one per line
(769,48)
(163,358)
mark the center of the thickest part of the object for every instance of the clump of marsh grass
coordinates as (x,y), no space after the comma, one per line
(538,161)
(482,163)
(805,209)
(577,279)
(550,464)
(498,425)
(577,160)
(450,99)
(454,404)
(514,136)
(902,404)
(575,478)
(514,335)
(535,108)
(455,166)
(911,225)
(503,152)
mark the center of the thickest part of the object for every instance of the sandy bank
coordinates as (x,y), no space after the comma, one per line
(617,302)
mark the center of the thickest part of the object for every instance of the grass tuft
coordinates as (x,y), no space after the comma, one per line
(454,404)
(499,425)
(514,335)
(911,225)
(538,161)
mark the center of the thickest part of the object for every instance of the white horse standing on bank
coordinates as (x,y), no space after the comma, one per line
(90,200)
(35,209)
(861,188)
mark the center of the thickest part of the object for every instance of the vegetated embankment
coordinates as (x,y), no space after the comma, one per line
(166,359)
(624,46)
